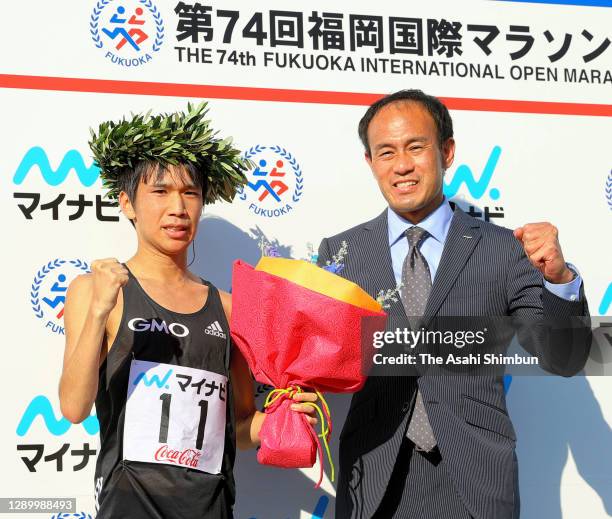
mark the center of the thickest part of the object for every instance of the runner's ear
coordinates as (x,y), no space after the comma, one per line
(126,207)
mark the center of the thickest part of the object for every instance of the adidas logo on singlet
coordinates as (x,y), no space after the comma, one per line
(215,329)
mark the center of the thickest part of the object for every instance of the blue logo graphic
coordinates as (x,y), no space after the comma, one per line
(127,33)
(40,406)
(606,301)
(507,382)
(319,509)
(160,383)
(72,160)
(272,189)
(48,290)
(77,515)
(609,190)
(477,188)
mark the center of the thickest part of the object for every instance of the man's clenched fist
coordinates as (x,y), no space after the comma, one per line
(541,244)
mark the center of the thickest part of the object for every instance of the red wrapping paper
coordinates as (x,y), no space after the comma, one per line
(293,336)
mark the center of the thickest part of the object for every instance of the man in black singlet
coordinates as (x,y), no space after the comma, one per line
(149,342)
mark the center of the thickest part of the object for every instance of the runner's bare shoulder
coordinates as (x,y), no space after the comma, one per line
(226,302)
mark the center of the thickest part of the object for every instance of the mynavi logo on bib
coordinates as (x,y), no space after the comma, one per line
(215,329)
(153,379)
(478,189)
(128,31)
(48,291)
(275,185)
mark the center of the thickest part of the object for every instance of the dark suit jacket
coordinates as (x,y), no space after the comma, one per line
(483,272)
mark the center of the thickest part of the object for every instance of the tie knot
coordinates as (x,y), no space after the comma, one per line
(416,235)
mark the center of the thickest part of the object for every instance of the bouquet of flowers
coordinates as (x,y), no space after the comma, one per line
(299,326)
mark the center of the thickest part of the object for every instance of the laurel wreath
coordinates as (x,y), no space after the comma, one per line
(297,170)
(169,139)
(97,11)
(609,190)
(42,274)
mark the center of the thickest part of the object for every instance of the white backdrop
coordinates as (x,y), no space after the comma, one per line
(517,162)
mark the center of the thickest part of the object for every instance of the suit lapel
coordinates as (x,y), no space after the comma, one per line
(379,266)
(463,236)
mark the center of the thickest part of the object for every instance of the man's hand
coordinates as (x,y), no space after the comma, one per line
(305,407)
(541,244)
(108,277)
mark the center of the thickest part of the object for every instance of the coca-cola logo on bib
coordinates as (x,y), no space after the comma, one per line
(187,458)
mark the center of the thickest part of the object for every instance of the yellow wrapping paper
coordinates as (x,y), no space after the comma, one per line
(318,280)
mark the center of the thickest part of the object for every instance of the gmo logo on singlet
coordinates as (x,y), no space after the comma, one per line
(215,330)
(139,324)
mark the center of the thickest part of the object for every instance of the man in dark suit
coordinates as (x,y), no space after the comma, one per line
(440,447)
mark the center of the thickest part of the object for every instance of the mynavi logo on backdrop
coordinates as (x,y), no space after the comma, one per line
(128,31)
(34,204)
(606,301)
(275,185)
(48,291)
(479,189)
(40,415)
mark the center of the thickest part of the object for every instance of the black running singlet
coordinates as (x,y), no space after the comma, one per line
(166,415)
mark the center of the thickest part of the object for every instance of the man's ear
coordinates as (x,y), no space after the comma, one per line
(126,206)
(368,158)
(448,153)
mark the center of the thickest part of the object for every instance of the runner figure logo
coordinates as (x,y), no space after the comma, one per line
(130,31)
(48,291)
(276,183)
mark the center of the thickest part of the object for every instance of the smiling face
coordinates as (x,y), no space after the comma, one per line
(406,159)
(166,210)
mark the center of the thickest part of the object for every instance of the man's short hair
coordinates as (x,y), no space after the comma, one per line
(435,107)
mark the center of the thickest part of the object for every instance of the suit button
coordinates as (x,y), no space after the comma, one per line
(405,407)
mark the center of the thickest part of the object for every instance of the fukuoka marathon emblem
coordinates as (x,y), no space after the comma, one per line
(609,190)
(128,31)
(48,291)
(276,183)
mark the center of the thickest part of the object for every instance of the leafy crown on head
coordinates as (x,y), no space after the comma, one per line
(169,139)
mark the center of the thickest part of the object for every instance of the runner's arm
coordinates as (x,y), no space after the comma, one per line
(85,334)
(90,301)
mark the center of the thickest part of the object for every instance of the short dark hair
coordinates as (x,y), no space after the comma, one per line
(435,107)
(145,170)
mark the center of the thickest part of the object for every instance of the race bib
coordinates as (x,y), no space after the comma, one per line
(175,415)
